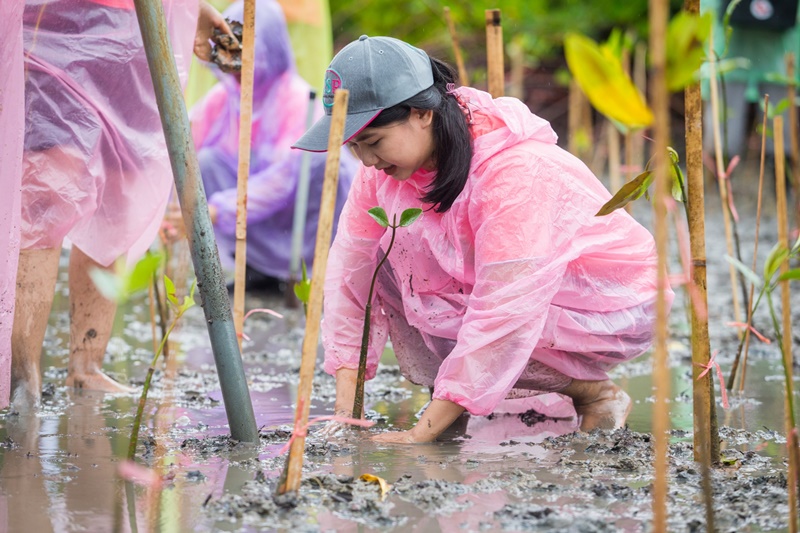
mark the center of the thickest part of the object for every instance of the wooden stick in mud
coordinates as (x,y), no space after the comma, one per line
(659,13)
(245,132)
(745,343)
(495,68)
(640,80)
(614,164)
(783,237)
(294,468)
(794,142)
(706,429)
(723,188)
(463,79)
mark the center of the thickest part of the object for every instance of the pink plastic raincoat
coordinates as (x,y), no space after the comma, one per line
(96,168)
(518,285)
(12,118)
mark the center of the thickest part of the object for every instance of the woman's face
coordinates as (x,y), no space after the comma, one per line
(399,149)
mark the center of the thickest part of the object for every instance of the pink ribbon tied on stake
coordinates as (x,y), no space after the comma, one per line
(707,368)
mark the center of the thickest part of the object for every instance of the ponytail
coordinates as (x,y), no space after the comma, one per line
(451,136)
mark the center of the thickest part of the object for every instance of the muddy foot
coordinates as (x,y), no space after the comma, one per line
(97,381)
(25,398)
(609,411)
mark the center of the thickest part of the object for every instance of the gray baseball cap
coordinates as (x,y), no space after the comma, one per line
(379,72)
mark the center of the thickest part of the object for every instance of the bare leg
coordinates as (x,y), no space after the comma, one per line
(36,280)
(91,321)
(599,404)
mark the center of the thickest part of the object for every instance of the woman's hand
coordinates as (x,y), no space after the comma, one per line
(173,227)
(208,19)
(439,415)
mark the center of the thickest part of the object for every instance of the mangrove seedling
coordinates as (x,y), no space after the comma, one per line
(179,309)
(406,219)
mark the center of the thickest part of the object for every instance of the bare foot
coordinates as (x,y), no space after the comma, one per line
(599,404)
(25,396)
(97,381)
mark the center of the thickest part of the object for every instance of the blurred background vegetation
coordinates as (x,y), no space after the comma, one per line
(533,35)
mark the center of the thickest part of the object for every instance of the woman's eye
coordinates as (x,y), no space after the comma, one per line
(374,143)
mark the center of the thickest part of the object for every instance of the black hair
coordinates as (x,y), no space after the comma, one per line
(451,136)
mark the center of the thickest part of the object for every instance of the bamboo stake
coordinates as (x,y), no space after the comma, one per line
(463,78)
(614,164)
(494,53)
(245,133)
(794,143)
(723,189)
(783,237)
(629,140)
(661,378)
(294,468)
(517,82)
(745,344)
(640,79)
(706,430)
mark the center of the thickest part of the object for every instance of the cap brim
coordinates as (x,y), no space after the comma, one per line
(316,138)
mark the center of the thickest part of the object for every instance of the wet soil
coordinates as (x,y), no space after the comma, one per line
(521,469)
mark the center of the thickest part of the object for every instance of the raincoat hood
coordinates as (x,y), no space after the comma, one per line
(500,123)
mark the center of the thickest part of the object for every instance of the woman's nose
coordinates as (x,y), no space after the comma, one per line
(369,159)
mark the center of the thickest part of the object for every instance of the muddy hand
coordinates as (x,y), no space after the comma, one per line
(397,437)
(173,228)
(208,19)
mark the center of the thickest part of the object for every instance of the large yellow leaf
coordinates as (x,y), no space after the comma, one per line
(600,76)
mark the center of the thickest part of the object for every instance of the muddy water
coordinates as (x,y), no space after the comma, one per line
(517,470)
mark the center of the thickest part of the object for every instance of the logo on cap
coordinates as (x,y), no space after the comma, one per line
(332,82)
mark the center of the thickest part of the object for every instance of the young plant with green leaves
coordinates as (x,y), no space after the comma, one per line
(302,288)
(767,285)
(179,309)
(407,218)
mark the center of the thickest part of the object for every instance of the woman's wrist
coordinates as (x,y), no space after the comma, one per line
(439,415)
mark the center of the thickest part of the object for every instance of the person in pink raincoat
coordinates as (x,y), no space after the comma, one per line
(508,283)
(12,120)
(95,168)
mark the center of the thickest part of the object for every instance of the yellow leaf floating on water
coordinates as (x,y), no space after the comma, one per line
(369,478)
(600,76)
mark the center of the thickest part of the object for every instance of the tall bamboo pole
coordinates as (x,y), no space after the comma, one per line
(660,104)
(245,133)
(494,53)
(614,164)
(640,80)
(463,78)
(723,188)
(706,430)
(794,143)
(783,237)
(294,468)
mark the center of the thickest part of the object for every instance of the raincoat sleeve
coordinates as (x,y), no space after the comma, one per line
(351,264)
(523,220)
(206,112)
(268,191)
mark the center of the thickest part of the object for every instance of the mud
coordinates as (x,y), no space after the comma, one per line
(520,469)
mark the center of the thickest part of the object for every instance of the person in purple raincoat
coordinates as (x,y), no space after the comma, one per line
(280,104)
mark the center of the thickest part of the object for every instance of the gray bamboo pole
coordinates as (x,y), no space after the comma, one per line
(192,197)
(294,468)
(660,105)
(463,78)
(494,53)
(245,133)
(786,307)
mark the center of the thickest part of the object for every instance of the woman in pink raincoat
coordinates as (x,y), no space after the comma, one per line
(508,282)
(95,168)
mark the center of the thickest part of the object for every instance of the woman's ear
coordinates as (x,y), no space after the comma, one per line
(425,116)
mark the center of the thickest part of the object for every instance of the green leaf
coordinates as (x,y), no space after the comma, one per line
(746,272)
(170,289)
(676,176)
(109,284)
(601,77)
(142,275)
(790,275)
(409,216)
(302,288)
(686,37)
(629,192)
(189,301)
(775,259)
(380,216)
